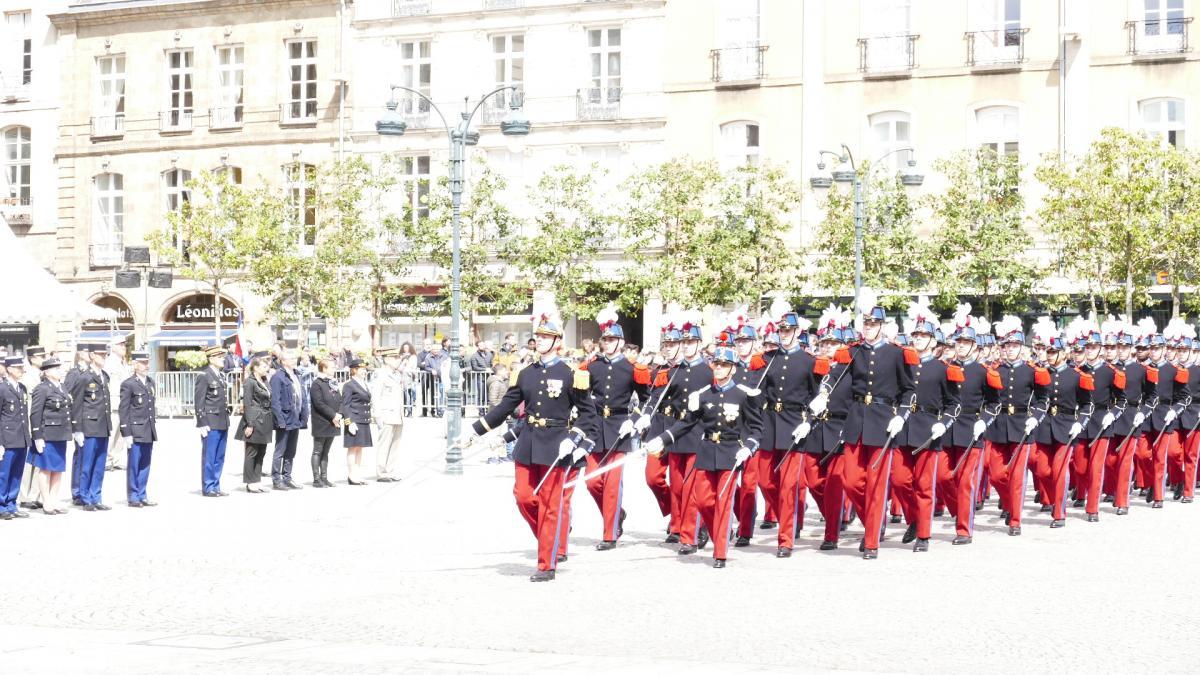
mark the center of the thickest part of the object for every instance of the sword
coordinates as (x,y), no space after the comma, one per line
(888,443)
(1164,429)
(737,470)
(615,464)
(552,468)
(974,440)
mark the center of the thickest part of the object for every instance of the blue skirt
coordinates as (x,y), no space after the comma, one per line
(52,458)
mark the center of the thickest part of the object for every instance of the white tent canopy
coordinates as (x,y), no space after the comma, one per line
(35,295)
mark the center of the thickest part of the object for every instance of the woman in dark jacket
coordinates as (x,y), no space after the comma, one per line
(326,397)
(257,422)
(356,408)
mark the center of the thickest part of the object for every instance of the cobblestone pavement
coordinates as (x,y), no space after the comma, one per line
(430,574)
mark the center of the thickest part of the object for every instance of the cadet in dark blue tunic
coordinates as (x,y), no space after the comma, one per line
(136,415)
(92,405)
(14,435)
(356,415)
(212,419)
(52,426)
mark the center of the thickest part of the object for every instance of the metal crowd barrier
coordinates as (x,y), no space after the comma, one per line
(424,394)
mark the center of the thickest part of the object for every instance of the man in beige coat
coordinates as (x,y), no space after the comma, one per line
(387,405)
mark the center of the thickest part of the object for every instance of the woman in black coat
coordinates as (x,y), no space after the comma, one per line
(356,409)
(326,397)
(257,422)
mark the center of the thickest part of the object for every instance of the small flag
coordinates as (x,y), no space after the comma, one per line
(239,344)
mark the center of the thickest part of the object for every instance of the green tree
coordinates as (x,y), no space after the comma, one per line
(219,231)
(1103,210)
(980,242)
(1175,251)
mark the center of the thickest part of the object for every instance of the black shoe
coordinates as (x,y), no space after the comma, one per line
(1006,516)
(768,525)
(30,505)
(921,546)
(1178,493)
(1122,511)
(1060,522)
(317,483)
(1078,503)
(939,512)
(1046,508)
(276,486)
(135,505)
(1014,531)
(292,485)
(1141,492)
(1156,505)
(1185,500)
(741,542)
(979,506)
(19,514)
(1149,496)
(606,546)
(870,554)
(961,540)
(909,535)
(352,482)
(862,545)
(562,558)
(1108,499)
(1093,517)
(211,494)
(703,539)
(686,549)
(103,507)
(895,519)
(5,515)
(828,545)
(621,524)
(89,507)
(719,564)
(385,479)
(783,552)
(542,575)
(76,501)
(147,502)
(672,538)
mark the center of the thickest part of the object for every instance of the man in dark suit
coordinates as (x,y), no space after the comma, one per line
(14,435)
(136,415)
(212,419)
(289,403)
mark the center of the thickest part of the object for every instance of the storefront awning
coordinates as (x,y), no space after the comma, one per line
(189,338)
(107,335)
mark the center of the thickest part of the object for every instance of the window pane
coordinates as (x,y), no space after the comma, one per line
(518,43)
(593,38)
(614,64)
(294,50)
(752,135)
(498,44)
(424,50)
(614,37)
(1151,112)
(901,131)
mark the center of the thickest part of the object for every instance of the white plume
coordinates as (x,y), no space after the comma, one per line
(867,299)
(890,330)
(1007,324)
(1173,329)
(982,325)
(1146,327)
(607,315)
(1112,326)
(779,307)
(803,324)
(962,315)
(1044,330)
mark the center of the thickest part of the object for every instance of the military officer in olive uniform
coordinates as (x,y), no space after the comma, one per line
(212,419)
(14,435)
(93,415)
(136,415)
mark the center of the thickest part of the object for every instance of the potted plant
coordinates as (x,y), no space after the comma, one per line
(190,360)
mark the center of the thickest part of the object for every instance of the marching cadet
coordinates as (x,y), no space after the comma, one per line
(212,420)
(960,467)
(1127,427)
(1068,406)
(82,364)
(387,401)
(14,435)
(1022,391)
(1091,454)
(881,377)
(614,382)
(823,445)
(657,414)
(136,415)
(690,374)
(1189,421)
(52,426)
(932,408)
(788,386)
(93,417)
(729,417)
(32,378)
(356,415)
(550,390)
(1169,395)
(760,468)
(1178,464)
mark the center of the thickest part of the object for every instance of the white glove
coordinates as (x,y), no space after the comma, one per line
(40,445)
(579,453)
(78,438)
(1076,428)
(980,427)
(742,455)
(626,428)
(642,424)
(654,446)
(819,403)
(1106,420)
(895,425)
(1170,416)
(937,430)
(353,429)
(465,439)
(1139,418)
(203,432)
(801,431)
(1030,424)
(565,448)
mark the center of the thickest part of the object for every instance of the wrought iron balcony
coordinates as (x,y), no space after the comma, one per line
(401,8)
(108,126)
(225,118)
(598,103)
(887,55)
(738,64)
(109,254)
(174,121)
(503,4)
(1003,47)
(1161,37)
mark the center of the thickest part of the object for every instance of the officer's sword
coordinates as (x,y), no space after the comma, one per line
(888,443)
(737,470)
(653,409)
(1021,445)
(963,459)
(1164,429)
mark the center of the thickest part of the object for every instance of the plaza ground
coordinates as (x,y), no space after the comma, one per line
(431,575)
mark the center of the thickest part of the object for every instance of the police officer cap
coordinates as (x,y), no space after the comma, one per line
(98,348)
(51,363)
(13,361)
(389,351)
(31,352)
(356,363)
(140,356)
(214,351)
(83,347)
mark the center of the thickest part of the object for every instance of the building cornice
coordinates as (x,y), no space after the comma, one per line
(120,11)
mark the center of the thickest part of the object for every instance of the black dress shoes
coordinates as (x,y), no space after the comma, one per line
(686,549)
(909,535)
(136,505)
(103,507)
(961,540)
(292,485)
(870,554)
(742,542)
(895,519)
(1156,505)
(702,538)
(277,486)
(1093,517)
(921,546)
(89,507)
(1122,511)
(672,538)
(542,575)
(562,558)
(768,525)
(1060,522)
(719,564)
(606,546)
(1014,531)
(828,545)
(783,552)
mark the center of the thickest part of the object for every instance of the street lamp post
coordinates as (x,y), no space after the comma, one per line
(842,174)
(514,124)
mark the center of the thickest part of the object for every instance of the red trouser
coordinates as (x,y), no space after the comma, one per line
(1050,467)
(865,474)
(712,507)
(680,465)
(1152,462)
(1190,458)
(958,488)
(768,481)
(1181,464)
(1010,485)
(914,484)
(656,479)
(1117,469)
(546,511)
(607,490)
(1088,463)
(793,491)
(825,483)
(745,498)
